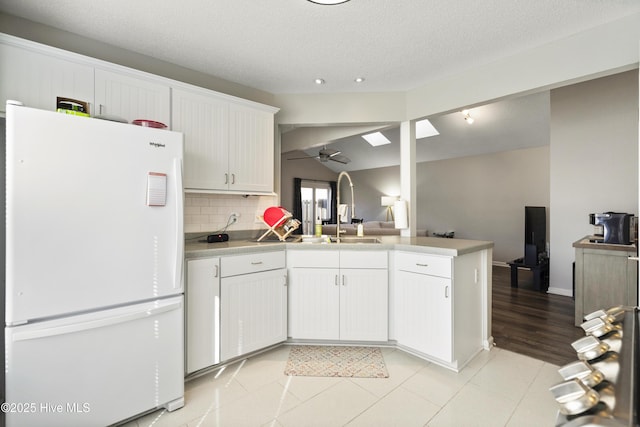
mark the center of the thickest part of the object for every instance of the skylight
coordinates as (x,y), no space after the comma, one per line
(425,129)
(376,139)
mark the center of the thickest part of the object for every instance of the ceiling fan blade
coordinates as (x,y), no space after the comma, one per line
(302,158)
(329,152)
(340,159)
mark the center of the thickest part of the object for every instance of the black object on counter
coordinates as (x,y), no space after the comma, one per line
(215,238)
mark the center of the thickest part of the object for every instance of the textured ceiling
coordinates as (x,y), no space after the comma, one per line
(282,46)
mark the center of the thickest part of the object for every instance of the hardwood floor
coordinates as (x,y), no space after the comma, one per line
(532,323)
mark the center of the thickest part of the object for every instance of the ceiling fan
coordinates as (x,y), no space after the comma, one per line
(325,155)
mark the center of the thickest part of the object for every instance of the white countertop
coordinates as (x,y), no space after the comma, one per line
(432,245)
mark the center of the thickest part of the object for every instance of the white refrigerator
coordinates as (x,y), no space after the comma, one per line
(93,282)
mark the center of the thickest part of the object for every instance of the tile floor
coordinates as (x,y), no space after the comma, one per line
(498,388)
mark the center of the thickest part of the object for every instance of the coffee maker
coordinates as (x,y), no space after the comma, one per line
(616,227)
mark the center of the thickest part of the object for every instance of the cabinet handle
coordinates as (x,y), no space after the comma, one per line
(256,262)
(226,178)
(422,265)
(336,281)
(446,292)
(285,280)
(633,258)
(217,271)
(344,283)
(100,107)
(233,178)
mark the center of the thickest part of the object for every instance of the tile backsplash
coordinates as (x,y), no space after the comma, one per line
(210,212)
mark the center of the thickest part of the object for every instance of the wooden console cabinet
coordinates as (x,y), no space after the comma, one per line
(604,277)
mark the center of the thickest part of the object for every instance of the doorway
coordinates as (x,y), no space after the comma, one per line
(316,199)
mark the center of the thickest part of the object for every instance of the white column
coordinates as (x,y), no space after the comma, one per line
(408,173)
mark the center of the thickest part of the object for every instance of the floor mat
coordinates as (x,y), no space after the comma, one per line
(336,361)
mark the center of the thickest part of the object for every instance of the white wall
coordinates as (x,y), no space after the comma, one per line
(479,197)
(594,162)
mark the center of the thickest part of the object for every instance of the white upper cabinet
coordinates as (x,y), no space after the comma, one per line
(250,149)
(37,79)
(131,97)
(203,120)
(228,141)
(229,147)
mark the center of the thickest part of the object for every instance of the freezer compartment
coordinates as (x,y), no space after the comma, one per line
(96,369)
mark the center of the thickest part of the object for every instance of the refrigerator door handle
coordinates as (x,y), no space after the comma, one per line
(179,262)
(93,324)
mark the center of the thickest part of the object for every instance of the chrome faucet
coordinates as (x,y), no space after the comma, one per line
(353,203)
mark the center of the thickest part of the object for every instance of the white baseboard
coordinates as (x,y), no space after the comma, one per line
(500,264)
(560,291)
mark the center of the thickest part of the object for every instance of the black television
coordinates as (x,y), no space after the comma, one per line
(535,233)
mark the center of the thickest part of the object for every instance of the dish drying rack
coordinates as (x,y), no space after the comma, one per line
(282,227)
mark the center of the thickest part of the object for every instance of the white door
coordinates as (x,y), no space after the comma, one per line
(314,303)
(253,312)
(423,314)
(364,305)
(80,232)
(203,313)
(95,369)
(251,154)
(204,120)
(131,98)
(36,79)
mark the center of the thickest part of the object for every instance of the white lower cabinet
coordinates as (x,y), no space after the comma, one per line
(327,302)
(253,313)
(438,306)
(423,313)
(314,298)
(203,313)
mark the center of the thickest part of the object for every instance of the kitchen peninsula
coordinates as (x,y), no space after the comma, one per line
(428,296)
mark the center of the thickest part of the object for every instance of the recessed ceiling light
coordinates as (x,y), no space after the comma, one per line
(319,81)
(358,79)
(376,139)
(328,2)
(425,129)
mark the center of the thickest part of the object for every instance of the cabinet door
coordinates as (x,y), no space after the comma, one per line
(423,314)
(251,156)
(131,97)
(609,279)
(253,312)
(36,79)
(204,122)
(364,305)
(314,303)
(203,313)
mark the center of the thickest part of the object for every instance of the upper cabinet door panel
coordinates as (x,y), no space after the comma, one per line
(251,154)
(36,79)
(132,98)
(204,122)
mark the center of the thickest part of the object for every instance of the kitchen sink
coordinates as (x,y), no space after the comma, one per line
(352,239)
(333,239)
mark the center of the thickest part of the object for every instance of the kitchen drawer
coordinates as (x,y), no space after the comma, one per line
(234,265)
(363,259)
(313,259)
(433,265)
